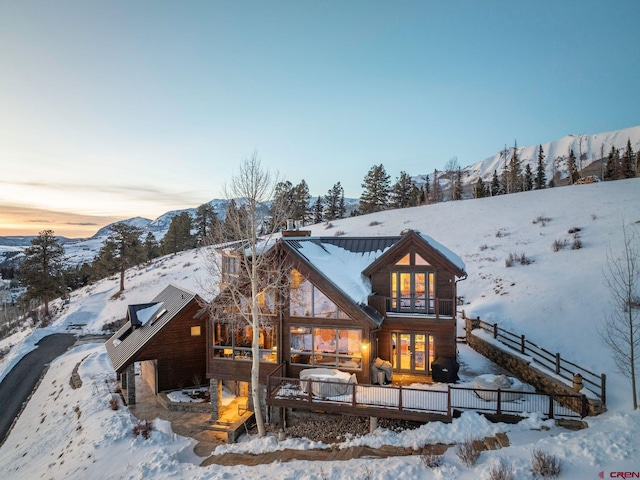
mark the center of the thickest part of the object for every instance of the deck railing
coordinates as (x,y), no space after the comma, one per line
(294,392)
(553,361)
(438,307)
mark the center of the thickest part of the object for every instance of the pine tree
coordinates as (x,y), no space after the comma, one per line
(318,210)
(611,168)
(401,191)
(376,186)
(416,197)
(300,202)
(626,169)
(205,222)
(514,175)
(495,188)
(528,179)
(334,203)
(479,190)
(151,247)
(540,181)
(572,168)
(125,247)
(427,189)
(436,190)
(178,238)
(43,268)
(457,185)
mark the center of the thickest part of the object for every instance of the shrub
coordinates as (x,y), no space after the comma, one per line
(541,220)
(484,247)
(574,230)
(432,460)
(577,244)
(467,453)
(500,471)
(513,258)
(113,403)
(558,245)
(545,465)
(501,233)
(142,428)
(338,233)
(374,223)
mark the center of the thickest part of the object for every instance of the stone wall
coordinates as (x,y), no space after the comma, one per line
(521,368)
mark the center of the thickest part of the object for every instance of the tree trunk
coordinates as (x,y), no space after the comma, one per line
(255,353)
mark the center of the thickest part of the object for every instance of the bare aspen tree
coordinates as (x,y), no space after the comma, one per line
(250,294)
(621,328)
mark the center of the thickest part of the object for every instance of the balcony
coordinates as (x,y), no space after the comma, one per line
(413,305)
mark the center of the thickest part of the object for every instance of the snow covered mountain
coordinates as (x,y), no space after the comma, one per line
(586,148)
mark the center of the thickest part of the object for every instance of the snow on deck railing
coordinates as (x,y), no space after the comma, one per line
(553,361)
(442,400)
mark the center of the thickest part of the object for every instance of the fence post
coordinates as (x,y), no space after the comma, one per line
(353,392)
(449,400)
(495,330)
(551,406)
(603,389)
(309,392)
(557,363)
(522,343)
(399,398)
(499,406)
(585,407)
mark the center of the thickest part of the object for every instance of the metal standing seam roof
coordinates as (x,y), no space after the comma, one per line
(128,341)
(352,244)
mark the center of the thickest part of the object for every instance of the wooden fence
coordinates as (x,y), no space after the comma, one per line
(551,360)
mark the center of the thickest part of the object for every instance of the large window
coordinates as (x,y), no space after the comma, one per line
(306,300)
(412,286)
(233,341)
(326,347)
(412,352)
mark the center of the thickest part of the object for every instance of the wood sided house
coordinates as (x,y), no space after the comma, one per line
(348,301)
(167,337)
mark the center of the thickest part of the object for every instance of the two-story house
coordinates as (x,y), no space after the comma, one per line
(346,301)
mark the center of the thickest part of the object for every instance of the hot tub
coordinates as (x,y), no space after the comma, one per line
(341,383)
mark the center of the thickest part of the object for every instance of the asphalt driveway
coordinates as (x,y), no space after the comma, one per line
(20,381)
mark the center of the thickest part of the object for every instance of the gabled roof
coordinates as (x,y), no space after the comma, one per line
(446,258)
(347,262)
(144,321)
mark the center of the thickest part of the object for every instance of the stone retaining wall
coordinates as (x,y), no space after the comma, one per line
(522,369)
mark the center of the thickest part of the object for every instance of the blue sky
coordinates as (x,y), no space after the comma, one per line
(115,109)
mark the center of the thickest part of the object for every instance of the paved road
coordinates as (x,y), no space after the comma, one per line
(20,381)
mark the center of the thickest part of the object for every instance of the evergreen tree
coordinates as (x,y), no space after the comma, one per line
(427,189)
(376,186)
(626,169)
(318,210)
(528,179)
(334,203)
(282,204)
(540,181)
(401,191)
(479,190)
(178,237)
(151,247)
(495,188)
(43,268)
(611,168)
(572,168)
(436,190)
(235,215)
(514,172)
(416,197)
(126,247)
(457,185)
(300,198)
(205,222)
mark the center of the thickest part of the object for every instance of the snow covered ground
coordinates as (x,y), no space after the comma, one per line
(557,301)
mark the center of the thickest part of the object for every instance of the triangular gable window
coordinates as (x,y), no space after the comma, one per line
(406,260)
(420,260)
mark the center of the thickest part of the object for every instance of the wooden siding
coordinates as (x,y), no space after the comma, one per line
(180,356)
(443,331)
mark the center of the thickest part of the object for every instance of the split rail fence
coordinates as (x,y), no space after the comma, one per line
(550,360)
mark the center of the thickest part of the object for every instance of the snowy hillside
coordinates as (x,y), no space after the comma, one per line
(557,301)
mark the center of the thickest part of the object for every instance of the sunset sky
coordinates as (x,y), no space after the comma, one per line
(110,110)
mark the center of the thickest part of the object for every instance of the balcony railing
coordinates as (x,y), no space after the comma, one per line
(411,304)
(396,401)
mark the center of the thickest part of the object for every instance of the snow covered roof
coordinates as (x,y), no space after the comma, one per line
(144,321)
